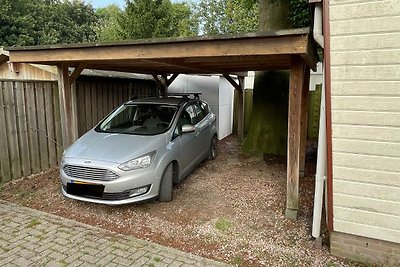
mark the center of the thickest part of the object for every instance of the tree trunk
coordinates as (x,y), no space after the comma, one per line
(267,132)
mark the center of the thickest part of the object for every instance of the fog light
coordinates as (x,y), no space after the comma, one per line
(139,191)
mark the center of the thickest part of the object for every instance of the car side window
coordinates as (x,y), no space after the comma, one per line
(199,112)
(205,108)
(190,114)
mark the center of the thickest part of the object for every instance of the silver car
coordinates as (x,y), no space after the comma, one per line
(138,151)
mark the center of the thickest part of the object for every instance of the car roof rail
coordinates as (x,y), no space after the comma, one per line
(186,95)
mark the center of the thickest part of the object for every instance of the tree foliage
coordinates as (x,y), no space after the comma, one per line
(155,19)
(108,28)
(227,16)
(33,22)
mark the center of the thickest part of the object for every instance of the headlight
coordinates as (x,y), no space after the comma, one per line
(138,163)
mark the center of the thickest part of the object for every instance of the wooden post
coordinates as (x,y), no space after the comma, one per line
(294,132)
(240,102)
(162,84)
(68,128)
(304,120)
(240,105)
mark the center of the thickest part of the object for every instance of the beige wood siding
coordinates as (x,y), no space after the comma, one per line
(365,69)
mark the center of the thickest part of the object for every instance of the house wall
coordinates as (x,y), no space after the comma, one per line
(365,73)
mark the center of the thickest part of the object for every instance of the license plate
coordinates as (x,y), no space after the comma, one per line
(85,189)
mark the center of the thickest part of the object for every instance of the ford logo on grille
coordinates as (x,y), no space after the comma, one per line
(87,161)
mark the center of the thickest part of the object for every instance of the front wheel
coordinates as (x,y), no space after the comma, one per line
(165,194)
(212,154)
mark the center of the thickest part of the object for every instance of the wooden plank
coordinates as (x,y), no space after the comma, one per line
(104,99)
(366,103)
(88,106)
(57,121)
(366,203)
(4,155)
(11,128)
(77,71)
(23,129)
(100,102)
(294,132)
(94,96)
(304,122)
(74,104)
(362,132)
(49,110)
(368,190)
(80,90)
(366,118)
(32,130)
(369,162)
(376,219)
(389,149)
(290,44)
(366,176)
(41,119)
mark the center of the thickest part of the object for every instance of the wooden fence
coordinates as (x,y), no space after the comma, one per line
(30,124)
(313,112)
(95,99)
(30,129)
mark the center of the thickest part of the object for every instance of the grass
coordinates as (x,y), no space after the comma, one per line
(32,223)
(223,224)
(157,259)
(237,260)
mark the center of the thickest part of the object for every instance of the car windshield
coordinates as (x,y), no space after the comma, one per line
(141,119)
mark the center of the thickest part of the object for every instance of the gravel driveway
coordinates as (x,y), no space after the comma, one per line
(230,209)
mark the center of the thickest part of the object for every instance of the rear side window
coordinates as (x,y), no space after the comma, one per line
(191,114)
(204,108)
(199,112)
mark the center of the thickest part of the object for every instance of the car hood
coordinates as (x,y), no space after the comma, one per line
(113,147)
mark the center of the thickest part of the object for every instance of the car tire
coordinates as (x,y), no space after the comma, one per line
(165,194)
(212,153)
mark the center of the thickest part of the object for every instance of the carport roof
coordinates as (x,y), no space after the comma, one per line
(205,54)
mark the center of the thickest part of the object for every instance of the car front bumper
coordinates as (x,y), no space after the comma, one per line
(115,192)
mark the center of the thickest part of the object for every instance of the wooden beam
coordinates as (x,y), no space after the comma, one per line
(285,44)
(161,84)
(77,71)
(69,129)
(304,120)
(232,82)
(294,132)
(172,78)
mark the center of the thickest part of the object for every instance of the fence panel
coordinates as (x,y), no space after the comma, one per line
(98,98)
(28,118)
(30,122)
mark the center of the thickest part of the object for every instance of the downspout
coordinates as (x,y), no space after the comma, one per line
(322,151)
(327,72)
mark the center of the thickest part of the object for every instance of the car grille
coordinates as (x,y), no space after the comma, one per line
(80,172)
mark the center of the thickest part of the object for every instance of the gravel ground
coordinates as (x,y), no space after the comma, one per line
(230,209)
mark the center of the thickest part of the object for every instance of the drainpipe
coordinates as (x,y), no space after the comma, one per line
(322,147)
(317,30)
(321,169)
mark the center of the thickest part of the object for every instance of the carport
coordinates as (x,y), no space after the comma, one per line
(227,55)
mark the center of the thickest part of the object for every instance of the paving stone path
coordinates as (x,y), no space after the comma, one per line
(33,238)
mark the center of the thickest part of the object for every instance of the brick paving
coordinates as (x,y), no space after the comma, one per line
(33,238)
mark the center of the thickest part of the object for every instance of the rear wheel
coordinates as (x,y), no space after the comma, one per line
(165,194)
(212,154)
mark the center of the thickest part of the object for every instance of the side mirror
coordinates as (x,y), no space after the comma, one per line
(188,128)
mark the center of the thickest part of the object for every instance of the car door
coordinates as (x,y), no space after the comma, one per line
(203,127)
(189,141)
